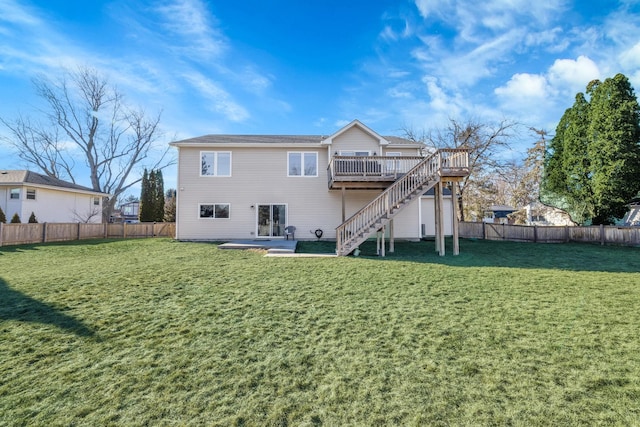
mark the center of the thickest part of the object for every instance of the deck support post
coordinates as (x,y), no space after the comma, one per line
(440,219)
(454,219)
(380,244)
(436,217)
(344,191)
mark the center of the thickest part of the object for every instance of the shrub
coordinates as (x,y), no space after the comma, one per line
(33,219)
(3,217)
(15,219)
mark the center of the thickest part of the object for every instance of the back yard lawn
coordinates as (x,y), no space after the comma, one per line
(158,332)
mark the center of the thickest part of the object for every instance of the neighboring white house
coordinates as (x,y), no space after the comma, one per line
(253,186)
(50,199)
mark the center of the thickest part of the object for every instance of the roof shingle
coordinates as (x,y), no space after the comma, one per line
(29,177)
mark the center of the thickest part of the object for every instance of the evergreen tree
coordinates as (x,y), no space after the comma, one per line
(593,165)
(146,197)
(615,146)
(158,202)
(3,217)
(33,219)
(170,206)
(15,219)
(567,180)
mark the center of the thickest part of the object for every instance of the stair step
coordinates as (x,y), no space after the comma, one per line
(427,180)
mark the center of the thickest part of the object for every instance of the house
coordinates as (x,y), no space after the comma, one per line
(128,212)
(632,217)
(347,186)
(50,199)
(538,213)
(498,214)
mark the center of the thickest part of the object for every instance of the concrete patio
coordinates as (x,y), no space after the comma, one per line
(274,248)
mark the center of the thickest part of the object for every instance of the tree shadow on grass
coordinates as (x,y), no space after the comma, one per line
(484,253)
(14,305)
(6,249)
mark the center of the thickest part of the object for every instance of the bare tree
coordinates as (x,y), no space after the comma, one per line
(87,121)
(86,217)
(484,142)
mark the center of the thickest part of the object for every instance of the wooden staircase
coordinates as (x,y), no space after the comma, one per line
(379,212)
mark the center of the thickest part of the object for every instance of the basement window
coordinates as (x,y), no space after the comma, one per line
(215,210)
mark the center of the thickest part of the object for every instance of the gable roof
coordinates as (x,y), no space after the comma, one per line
(356,123)
(250,139)
(26,177)
(288,140)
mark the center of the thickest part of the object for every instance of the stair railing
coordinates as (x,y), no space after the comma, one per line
(382,206)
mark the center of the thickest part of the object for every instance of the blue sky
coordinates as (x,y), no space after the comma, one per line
(298,67)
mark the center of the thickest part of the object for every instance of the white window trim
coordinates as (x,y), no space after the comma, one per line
(302,170)
(214,211)
(286,207)
(215,164)
(355,153)
(11,193)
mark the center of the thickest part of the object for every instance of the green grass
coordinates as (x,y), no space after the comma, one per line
(158,332)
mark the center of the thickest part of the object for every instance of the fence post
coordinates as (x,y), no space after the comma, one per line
(566,234)
(124,230)
(535,234)
(44,232)
(603,238)
(78,232)
(484,230)
(106,228)
(1,232)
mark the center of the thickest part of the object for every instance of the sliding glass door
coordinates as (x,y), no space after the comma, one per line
(272,219)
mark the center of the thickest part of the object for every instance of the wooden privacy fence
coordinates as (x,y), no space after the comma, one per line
(19,234)
(614,235)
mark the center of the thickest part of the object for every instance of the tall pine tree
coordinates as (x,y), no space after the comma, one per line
(158,197)
(614,148)
(152,197)
(146,197)
(593,166)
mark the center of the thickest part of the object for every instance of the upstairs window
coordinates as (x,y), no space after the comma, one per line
(15,193)
(96,201)
(31,194)
(302,164)
(215,163)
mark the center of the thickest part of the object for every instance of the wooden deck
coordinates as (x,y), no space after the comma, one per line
(408,178)
(379,172)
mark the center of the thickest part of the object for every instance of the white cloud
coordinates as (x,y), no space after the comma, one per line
(524,87)
(573,75)
(190,21)
(254,81)
(217,98)
(630,58)
(432,7)
(439,100)
(17,14)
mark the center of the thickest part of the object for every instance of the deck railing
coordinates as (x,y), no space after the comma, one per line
(360,223)
(425,172)
(389,167)
(454,161)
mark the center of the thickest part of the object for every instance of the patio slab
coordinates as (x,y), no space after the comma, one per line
(286,246)
(274,248)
